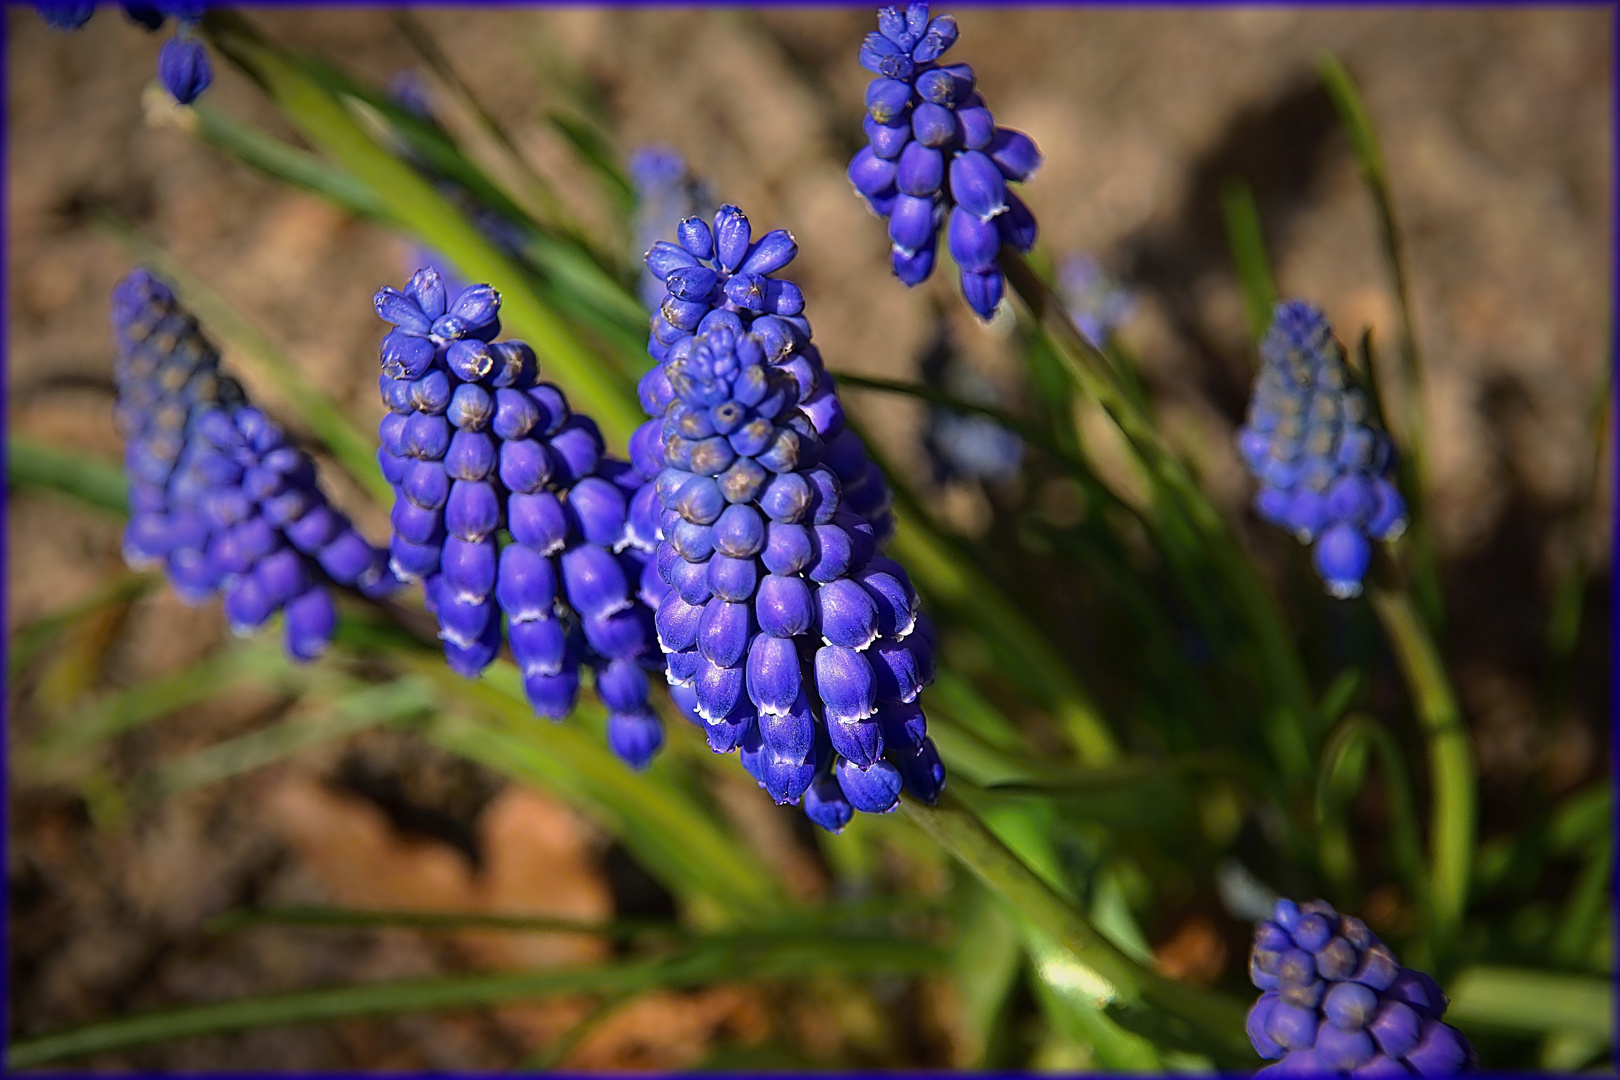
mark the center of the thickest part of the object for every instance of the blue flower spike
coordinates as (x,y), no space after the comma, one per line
(474,442)
(936,159)
(1324,466)
(1336,1002)
(787,636)
(1098,304)
(218,497)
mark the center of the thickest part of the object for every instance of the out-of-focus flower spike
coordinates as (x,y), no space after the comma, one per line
(217,496)
(1324,466)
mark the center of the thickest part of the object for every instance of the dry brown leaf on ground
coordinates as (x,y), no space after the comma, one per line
(536,862)
(538,859)
(1194,953)
(670,1030)
(536,855)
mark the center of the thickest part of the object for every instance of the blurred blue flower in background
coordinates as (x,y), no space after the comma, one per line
(964,446)
(1098,304)
(411,92)
(667,193)
(1323,464)
(217,496)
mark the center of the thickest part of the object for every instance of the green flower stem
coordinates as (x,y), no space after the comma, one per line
(1532,1001)
(324,720)
(370,919)
(322,118)
(33,638)
(952,582)
(278,159)
(1104,556)
(1136,997)
(1096,376)
(1451,762)
(1589,901)
(1564,615)
(570,278)
(555,1052)
(548,205)
(669,831)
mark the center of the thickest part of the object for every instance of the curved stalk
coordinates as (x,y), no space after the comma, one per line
(1451,761)
(1138,998)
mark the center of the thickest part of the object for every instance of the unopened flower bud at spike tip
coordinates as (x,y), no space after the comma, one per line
(718,273)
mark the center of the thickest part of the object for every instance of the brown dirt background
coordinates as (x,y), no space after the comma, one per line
(1496,126)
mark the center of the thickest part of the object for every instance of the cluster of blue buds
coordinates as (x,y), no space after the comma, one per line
(182,63)
(1322,463)
(474,442)
(789,636)
(217,496)
(936,157)
(666,194)
(1336,1002)
(724,269)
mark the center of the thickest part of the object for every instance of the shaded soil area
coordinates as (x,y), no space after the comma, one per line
(1496,128)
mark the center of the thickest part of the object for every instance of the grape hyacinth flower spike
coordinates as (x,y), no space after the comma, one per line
(1336,1002)
(1323,464)
(791,638)
(217,496)
(935,158)
(723,270)
(472,442)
